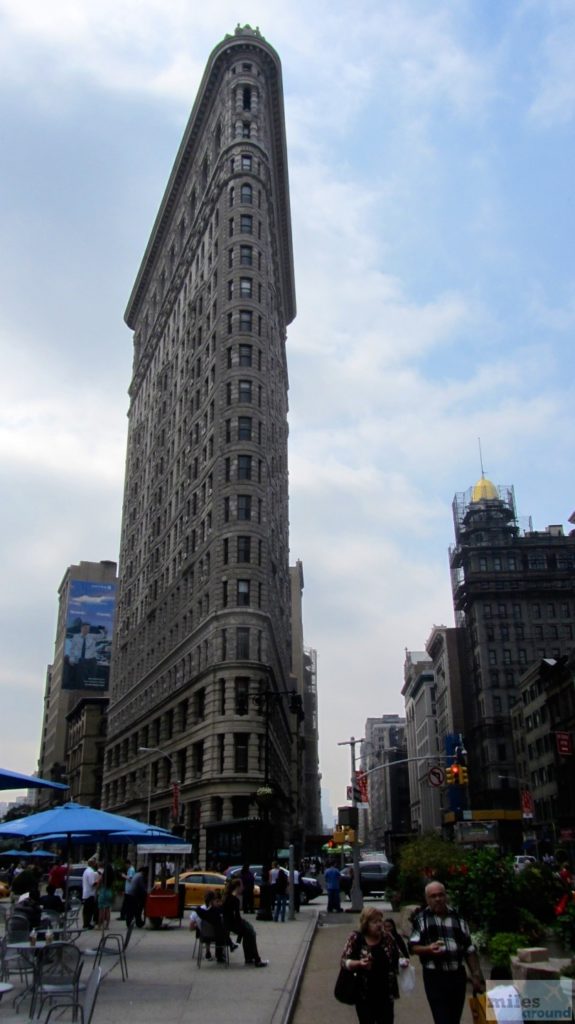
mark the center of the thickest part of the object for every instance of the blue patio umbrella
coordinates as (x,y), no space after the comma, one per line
(76,822)
(23,854)
(15,780)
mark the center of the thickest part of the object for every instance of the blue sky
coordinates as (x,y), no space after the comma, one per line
(431,166)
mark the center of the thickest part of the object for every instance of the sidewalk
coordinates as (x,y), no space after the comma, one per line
(166,986)
(316,1002)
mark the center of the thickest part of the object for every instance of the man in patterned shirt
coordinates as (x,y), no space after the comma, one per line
(442,941)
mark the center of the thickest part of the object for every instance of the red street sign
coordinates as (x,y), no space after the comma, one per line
(564,742)
(527,803)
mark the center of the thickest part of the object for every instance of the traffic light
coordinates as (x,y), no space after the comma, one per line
(463,775)
(453,775)
(339,836)
(349,836)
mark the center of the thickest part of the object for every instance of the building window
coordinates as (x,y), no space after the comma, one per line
(241,695)
(246,162)
(496,563)
(198,757)
(246,319)
(244,507)
(243,593)
(224,593)
(231,196)
(244,428)
(245,355)
(247,98)
(222,681)
(245,391)
(244,467)
(244,549)
(246,194)
(200,703)
(221,752)
(492,655)
(246,288)
(536,611)
(241,740)
(242,642)
(226,510)
(246,129)
(246,224)
(246,255)
(482,564)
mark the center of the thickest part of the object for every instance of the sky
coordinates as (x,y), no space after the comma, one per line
(431,160)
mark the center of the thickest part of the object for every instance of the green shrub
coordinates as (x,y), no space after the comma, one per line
(502,947)
(485,891)
(531,929)
(538,890)
(425,859)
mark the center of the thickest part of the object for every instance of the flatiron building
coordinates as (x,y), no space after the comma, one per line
(201,665)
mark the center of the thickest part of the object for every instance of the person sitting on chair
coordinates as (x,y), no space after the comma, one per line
(211,913)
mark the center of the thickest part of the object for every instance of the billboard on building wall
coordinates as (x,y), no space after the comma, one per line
(88,642)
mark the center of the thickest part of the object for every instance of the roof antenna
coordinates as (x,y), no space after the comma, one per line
(481,458)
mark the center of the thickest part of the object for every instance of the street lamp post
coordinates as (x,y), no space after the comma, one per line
(355,893)
(175,780)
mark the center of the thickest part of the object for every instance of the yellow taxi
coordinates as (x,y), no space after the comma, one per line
(197,884)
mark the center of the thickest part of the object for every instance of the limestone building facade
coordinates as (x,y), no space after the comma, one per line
(201,670)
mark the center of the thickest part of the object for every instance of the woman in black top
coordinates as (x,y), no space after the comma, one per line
(372,956)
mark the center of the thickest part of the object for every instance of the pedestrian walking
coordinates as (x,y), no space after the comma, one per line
(371,955)
(332,879)
(442,940)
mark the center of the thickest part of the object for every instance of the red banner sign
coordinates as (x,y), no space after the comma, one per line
(564,742)
(527,803)
(176,802)
(361,783)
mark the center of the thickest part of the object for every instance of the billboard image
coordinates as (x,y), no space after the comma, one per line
(89,628)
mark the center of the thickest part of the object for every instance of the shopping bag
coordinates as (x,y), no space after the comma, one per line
(477,1005)
(406,980)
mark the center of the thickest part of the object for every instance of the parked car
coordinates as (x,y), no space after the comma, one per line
(372,876)
(310,888)
(523,861)
(75,880)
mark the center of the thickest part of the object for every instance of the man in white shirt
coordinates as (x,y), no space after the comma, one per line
(90,882)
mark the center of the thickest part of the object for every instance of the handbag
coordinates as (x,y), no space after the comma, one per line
(346,987)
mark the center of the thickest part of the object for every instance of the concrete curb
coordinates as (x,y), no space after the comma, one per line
(286,1003)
